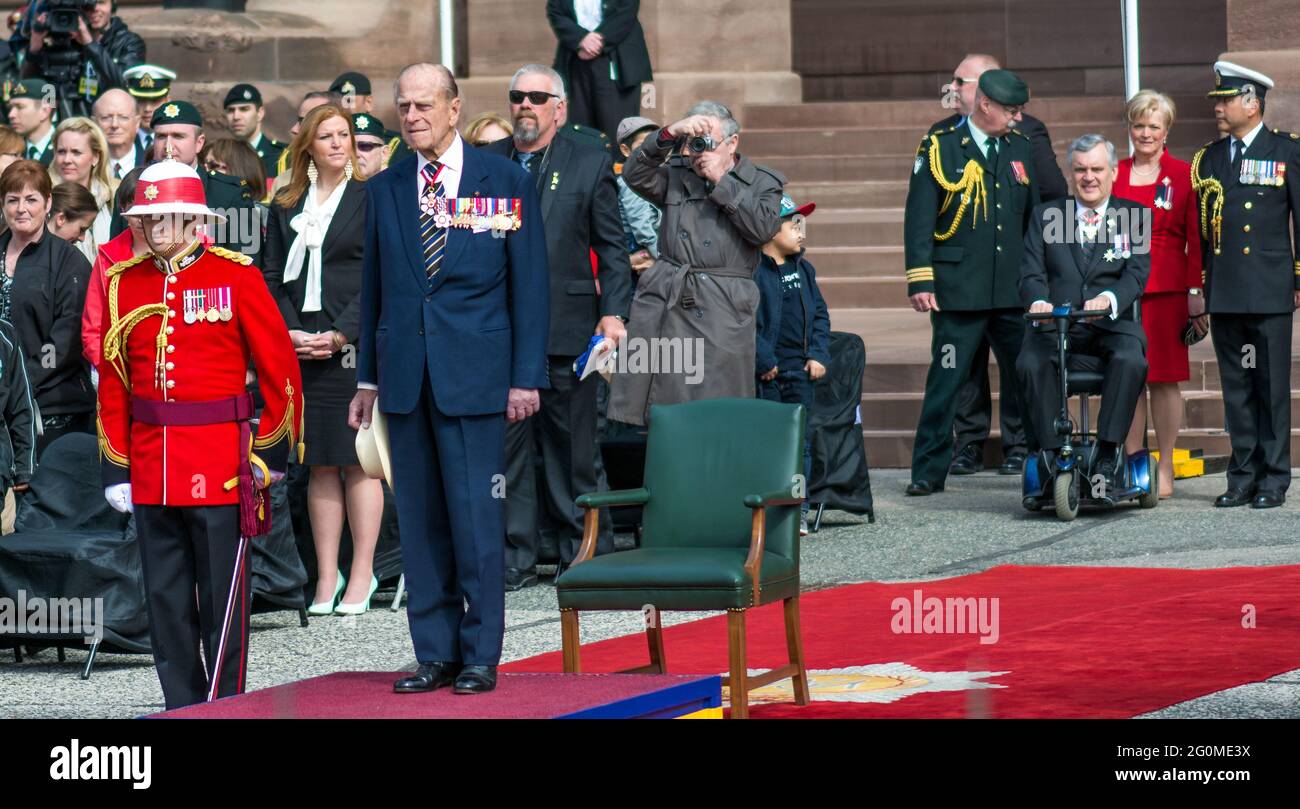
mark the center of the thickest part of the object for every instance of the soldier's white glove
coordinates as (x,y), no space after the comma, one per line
(119,497)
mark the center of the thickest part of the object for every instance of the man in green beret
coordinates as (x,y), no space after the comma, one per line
(244,115)
(178,135)
(372,143)
(971,193)
(31,114)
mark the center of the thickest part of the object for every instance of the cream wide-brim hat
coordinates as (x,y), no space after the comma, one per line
(373,450)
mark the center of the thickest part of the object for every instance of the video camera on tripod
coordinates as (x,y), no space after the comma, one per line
(59,21)
(62,17)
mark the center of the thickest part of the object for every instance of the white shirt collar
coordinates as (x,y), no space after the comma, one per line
(255,141)
(127,162)
(980,137)
(1080,207)
(44,143)
(452,160)
(1250,136)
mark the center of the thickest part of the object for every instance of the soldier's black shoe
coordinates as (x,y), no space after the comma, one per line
(967,462)
(1268,500)
(428,677)
(1013,464)
(1234,497)
(476,680)
(920,488)
(517,579)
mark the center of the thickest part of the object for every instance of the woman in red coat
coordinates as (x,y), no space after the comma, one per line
(1163,183)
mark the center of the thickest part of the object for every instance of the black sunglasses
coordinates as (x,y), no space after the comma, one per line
(368,147)
(536,96)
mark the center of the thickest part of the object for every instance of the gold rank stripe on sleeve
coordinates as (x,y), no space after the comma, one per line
(1297,268)
(105,446)
(920,274)
(970,186)
(1211,215)
(232,255)
(286,427)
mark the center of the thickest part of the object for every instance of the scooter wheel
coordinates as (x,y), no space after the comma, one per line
(1151,497)
(1066,493)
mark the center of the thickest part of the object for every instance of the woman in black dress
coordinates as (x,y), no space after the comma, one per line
(42,291)
(314,247)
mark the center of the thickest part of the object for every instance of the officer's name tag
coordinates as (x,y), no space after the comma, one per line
(1263,172)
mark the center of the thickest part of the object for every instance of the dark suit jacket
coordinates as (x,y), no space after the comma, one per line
(1047,172)
(1053,268)
(624,39)
(579,200)
(341,259)
(480,328)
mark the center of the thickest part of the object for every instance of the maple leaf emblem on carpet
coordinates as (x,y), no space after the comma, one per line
(880,683)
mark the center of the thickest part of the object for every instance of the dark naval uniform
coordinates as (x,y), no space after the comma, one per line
(1248,207)
(964,227)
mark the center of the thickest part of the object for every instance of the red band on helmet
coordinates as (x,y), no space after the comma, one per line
(177,189)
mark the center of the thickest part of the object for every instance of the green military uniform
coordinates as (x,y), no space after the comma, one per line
(586,135)
(37,89)
(964,227)
(1250,200)
(267,148)
(268,151)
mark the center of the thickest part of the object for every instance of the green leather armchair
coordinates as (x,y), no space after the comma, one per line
(720,531)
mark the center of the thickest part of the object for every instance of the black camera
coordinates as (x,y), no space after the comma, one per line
(702,143)
(63,17)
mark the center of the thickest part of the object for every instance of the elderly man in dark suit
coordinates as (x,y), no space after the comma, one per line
(1093,251)
(603,59)
(453,336)
(579,201)
(974,400)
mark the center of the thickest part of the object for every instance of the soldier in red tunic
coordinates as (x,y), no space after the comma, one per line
(177,444)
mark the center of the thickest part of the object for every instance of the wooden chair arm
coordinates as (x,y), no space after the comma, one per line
(592,503)
(758,504)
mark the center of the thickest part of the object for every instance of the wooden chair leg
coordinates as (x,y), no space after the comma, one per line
(570,640)
(738,682)
(794,644)
(654,636)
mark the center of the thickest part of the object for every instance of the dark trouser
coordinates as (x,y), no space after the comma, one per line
(563,435)
(975,407)
(447,489)
(795,387)
(56,426)
(1126,373)
(182,548)
(1256,385)
(954,338)
(596,100)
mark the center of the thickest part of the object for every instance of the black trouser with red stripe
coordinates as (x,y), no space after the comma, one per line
(181,549)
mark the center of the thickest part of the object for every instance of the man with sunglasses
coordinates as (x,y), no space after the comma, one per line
(974,400)
(579,201)
(971,192)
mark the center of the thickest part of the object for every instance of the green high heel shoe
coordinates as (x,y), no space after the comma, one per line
(357,609)
(327,607)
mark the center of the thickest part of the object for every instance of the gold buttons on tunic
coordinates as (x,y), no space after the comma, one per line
(171,329)
(171,279)
(1249,205)
(170,349)
(1245,250)
(171,366)
(171,383)
(171,313)
(1246,228)
(171,296)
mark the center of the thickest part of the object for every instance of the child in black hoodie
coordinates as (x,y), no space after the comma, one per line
(794,329)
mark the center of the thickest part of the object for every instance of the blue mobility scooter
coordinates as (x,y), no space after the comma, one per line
(1065,480)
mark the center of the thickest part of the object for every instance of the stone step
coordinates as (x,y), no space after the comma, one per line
(857,262)
(853,194)
(855,227)
(920,113)
(892,449)
(809,141)
(864,293)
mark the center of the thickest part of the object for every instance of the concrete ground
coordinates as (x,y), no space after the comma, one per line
(976,524)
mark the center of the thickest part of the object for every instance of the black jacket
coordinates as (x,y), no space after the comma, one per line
(579,201)
(1054,269)
(624,39)
(817,320)
(48,294)
(17,429)
(1047,172)
(341,257)
(110,55)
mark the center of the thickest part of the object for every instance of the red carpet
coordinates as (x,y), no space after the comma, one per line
(369,695)
(1072,642)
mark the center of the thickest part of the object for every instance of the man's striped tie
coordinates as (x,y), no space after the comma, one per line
(432,237)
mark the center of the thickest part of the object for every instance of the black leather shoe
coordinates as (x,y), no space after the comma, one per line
(1234,497)
(1268,500)
(517,579)
(428,677)
(967,462)
(1013,464)
(920,488)
(476,680)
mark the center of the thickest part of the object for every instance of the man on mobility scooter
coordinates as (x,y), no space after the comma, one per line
(1085,264)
